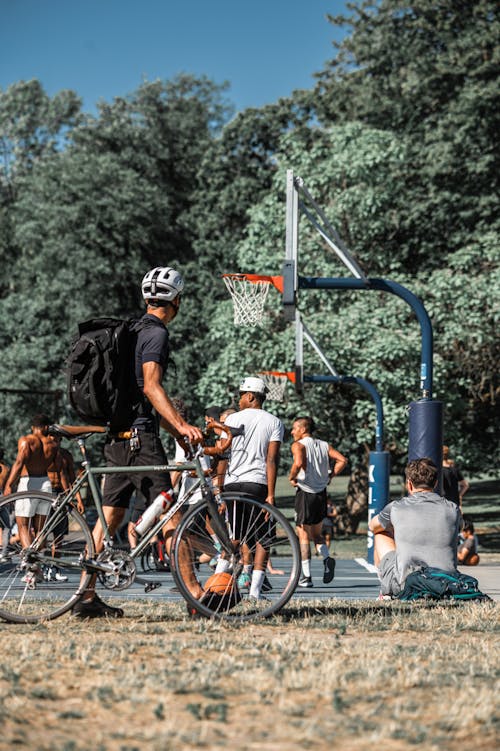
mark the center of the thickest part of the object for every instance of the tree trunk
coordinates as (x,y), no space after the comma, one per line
(355,507)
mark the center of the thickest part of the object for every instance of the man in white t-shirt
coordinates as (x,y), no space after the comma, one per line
(310,474)
(253,463)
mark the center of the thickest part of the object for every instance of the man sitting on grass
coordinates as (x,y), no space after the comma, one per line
(420,530)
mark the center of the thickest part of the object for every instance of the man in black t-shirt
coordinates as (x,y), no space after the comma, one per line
(455,485)
(140,444)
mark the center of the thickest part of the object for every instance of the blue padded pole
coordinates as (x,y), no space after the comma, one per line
(378,490)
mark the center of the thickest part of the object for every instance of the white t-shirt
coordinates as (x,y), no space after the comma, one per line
(315,477)
(247,461)
(187,481)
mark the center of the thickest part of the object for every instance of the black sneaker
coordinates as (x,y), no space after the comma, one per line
(95,608)
(266,585)
(329,570)
(305,581)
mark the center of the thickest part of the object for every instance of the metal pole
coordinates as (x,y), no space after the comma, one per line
(385,285)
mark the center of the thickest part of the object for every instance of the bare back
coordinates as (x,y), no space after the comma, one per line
(36,452)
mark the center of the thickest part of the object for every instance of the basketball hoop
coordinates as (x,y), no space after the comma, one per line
(249,292)
(276,381)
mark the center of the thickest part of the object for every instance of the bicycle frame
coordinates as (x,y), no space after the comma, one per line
(89,476)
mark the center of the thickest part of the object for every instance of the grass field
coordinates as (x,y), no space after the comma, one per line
(333,674)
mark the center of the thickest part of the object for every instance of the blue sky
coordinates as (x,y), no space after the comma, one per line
(106,48)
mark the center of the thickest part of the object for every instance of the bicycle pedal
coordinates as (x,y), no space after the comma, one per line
(149,586)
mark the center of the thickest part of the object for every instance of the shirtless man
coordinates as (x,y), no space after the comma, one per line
(61,474)
(36,452)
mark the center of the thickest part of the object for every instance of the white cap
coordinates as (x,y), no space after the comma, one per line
(255,385)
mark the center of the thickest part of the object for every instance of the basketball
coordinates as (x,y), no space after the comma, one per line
(219,583)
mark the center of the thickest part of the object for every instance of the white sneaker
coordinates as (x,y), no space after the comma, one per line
(31,579)
(60,577)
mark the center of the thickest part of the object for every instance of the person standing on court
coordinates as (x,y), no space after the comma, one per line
(253,463)
(455,486)
(310,474)
(161,288)
(36,452)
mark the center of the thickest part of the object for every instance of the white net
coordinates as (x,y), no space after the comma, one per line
(276,384)
(248,299)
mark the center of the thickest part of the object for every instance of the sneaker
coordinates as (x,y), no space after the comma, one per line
(384,597)
(95,608)
(5,558)
(244,580)
(32,578)
(266,585)
(305,581)
(60,577)
(329,570)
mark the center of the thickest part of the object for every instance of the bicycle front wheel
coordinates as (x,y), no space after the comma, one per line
(44,580)
(257,533)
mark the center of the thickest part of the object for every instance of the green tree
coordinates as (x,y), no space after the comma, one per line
(427,71)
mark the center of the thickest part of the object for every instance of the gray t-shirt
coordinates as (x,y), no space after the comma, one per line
(425,528)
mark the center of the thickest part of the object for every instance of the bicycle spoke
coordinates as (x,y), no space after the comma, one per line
(256,531)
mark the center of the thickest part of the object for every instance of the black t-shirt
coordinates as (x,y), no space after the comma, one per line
(451,477)
(152,346)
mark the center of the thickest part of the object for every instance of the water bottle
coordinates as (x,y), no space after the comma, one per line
(153,512)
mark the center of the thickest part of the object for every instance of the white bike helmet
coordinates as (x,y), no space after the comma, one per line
(162,283)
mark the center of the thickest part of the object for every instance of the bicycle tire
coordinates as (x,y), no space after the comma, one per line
(49,598)
(252,523)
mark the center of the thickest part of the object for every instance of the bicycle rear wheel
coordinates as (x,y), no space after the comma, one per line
(45,580)
(256,531)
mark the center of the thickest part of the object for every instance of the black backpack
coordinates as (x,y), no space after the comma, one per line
(100,372)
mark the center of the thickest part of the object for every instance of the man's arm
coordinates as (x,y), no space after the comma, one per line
(375,526)
(272,461)
(382,521)
(299,461)
(339,460)
(170,418)
(463,487)
(23,452)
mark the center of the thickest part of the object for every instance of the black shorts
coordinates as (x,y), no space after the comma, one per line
(310,508)
(118,488)
(246,525)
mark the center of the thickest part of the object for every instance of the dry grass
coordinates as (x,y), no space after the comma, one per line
(335,674)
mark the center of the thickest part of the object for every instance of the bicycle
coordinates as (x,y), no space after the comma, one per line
(230,525)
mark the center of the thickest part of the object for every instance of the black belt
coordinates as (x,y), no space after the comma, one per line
(126,435)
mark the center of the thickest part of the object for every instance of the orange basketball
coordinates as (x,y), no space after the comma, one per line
(220,584)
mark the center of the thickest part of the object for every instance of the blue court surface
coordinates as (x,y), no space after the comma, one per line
(353,581)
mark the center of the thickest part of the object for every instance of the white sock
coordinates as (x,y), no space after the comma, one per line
(306,568)
(257,579)
(222,566)
(323,550)
(247,568)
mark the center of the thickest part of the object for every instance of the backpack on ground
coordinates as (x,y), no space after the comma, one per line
(100,372)
(434,584)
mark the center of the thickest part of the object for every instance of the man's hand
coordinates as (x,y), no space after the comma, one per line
(190,433)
